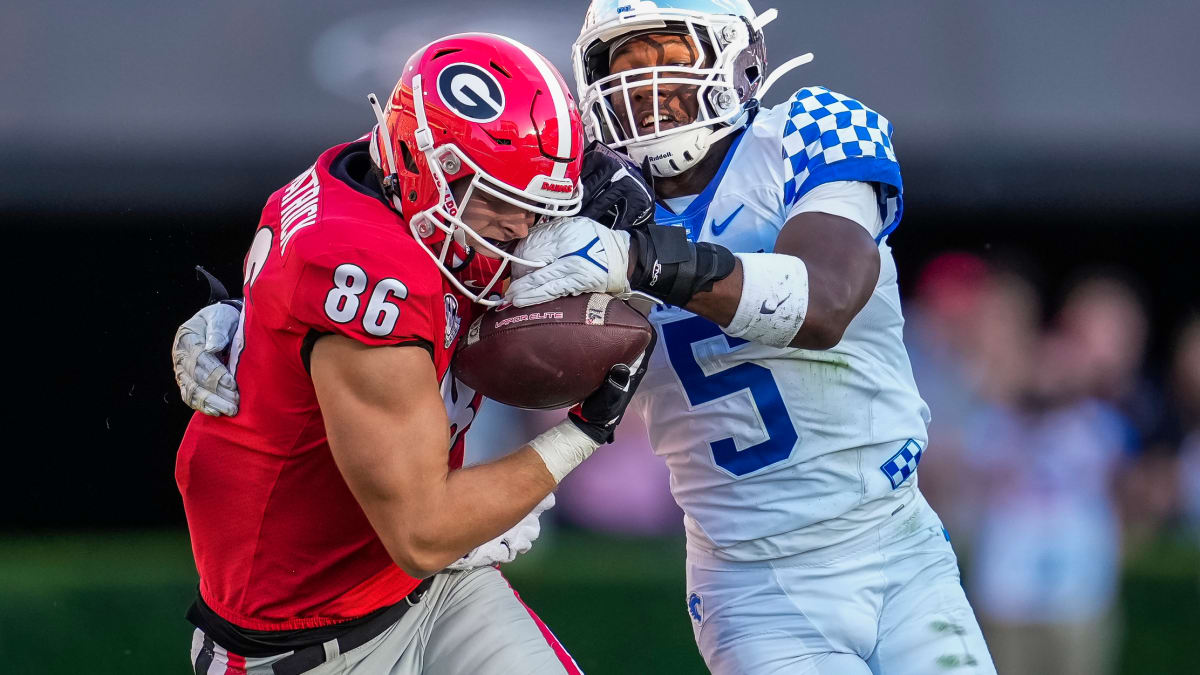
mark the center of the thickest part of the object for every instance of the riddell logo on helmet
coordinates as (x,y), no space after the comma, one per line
(665,155)
(565,188)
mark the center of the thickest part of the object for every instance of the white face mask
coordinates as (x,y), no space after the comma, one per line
(727,74)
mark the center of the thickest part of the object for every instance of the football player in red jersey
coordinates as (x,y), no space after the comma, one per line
(323,515)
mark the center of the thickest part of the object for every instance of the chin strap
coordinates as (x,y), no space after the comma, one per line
(763,19)
(423,136)
(758,23)
(783,69)
(383,131)
(391,181)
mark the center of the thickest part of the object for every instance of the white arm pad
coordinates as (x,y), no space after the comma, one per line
(563,447)
(774,299)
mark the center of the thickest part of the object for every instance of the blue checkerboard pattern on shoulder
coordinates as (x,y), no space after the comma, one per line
(903,464)
(824,129)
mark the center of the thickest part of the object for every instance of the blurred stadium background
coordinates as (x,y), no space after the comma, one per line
(1052,162)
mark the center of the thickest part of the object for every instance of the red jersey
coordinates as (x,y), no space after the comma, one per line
(279,540)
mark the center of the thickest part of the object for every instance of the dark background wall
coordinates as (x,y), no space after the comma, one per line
(138,139)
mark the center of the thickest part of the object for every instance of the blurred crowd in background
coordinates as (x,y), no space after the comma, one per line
(1055,452)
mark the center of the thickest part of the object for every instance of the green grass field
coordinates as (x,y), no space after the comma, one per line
(114,604)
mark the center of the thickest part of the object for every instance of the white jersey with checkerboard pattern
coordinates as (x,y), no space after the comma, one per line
(769,447)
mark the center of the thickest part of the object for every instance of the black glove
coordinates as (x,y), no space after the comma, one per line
(600,413)
(614,190)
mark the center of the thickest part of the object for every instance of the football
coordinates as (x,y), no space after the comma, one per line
(550,355)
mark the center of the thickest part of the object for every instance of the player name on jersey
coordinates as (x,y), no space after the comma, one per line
(298,208)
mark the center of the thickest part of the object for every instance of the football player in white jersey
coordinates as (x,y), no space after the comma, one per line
(781,395)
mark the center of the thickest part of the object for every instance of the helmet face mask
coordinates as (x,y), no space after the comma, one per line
(656,92)
(492,117)
(729,62)
(458,246)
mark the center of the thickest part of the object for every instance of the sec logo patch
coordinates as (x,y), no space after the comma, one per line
(453,320)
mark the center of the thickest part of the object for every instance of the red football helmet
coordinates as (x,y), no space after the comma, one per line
(487,108)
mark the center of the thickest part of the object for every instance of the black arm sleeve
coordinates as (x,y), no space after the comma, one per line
(673,269)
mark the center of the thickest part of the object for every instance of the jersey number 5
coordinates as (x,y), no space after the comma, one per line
(766,402)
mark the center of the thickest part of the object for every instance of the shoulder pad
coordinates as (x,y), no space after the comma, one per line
(824,129)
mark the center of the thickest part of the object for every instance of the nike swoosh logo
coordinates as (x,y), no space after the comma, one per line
(764,310)
(717,229)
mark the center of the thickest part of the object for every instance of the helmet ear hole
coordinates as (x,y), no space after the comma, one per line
(410,164)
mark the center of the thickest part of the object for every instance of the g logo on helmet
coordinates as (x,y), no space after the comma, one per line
(471,92)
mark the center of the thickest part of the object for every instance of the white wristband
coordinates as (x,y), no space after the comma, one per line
(774,299)
(563,447)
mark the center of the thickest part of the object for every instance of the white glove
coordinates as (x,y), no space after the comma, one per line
(506,547)
(582,256)
(204,381)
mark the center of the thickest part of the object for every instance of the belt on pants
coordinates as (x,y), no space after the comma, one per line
(304,660)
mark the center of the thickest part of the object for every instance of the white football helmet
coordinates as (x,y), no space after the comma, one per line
(728,32)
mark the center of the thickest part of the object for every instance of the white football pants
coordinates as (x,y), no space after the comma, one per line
(467,622)
(888,602)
